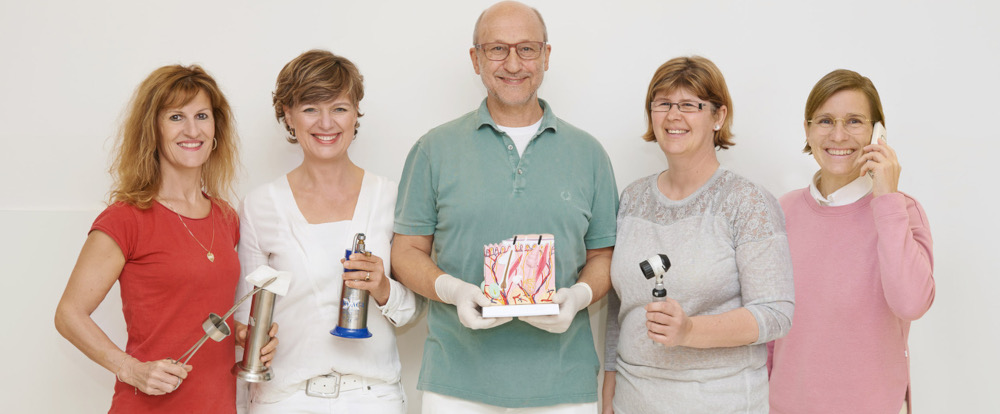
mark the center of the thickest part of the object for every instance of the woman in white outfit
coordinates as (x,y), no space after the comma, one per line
(302,223)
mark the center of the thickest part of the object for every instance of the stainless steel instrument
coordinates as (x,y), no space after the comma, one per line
(353,319)
(216,328)
(261,310)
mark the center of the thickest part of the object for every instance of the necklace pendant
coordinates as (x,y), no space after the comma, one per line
(211,257)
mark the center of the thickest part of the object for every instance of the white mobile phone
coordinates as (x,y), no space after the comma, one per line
(878,131)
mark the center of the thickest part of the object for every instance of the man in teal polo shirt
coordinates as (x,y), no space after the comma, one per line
(510,167)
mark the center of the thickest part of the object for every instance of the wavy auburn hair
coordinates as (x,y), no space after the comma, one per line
(136,165)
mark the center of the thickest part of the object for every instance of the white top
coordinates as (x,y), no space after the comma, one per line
(274,232)
(848,194)
(521,135)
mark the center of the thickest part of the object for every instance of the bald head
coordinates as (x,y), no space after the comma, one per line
(509,9)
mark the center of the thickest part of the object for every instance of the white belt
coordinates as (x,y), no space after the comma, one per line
(331,385)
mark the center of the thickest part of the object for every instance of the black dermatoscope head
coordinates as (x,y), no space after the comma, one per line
(656,266)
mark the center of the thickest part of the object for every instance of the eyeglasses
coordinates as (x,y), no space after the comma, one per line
(853,124)
(664,106)
(500,51)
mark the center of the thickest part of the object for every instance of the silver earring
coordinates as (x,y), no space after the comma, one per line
(717,127)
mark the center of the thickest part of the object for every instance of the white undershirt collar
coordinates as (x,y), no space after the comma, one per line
(521,135)
(848,194)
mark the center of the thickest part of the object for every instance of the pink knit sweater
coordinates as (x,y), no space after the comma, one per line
(847,349)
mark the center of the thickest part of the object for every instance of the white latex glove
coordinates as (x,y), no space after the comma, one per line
(467,298)
(571,300)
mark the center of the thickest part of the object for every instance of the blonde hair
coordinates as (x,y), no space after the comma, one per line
(136,165)
(701,77)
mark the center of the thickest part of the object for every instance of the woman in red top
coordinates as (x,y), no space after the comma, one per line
(168,239)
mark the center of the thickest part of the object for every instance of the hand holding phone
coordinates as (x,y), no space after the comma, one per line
(884,158)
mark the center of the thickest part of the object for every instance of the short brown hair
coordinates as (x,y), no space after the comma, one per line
(701,77)
(316,76)
(136,165)
(842,80)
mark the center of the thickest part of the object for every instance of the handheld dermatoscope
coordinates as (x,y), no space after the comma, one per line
(656,266)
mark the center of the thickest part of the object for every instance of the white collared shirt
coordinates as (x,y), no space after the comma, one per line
(848,194)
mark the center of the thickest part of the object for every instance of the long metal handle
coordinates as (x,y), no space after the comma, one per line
(190,352)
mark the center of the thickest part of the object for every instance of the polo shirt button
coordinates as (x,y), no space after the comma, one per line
(519,171)
(510,147)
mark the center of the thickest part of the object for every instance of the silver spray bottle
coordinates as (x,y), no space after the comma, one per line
(353,320)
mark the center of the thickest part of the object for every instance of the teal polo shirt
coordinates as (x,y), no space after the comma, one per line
(465,184)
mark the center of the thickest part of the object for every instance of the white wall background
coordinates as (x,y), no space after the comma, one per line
(68,69)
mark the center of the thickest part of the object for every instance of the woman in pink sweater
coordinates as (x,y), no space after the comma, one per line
(862,260)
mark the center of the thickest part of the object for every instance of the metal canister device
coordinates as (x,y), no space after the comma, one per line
(353,319)
(656,266)
(215,327)
(261,310)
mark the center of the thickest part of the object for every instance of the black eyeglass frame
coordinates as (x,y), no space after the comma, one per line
(656,106)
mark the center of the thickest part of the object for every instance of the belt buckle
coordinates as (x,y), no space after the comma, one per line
(324,386)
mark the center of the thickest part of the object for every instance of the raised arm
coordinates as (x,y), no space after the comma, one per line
(905,255)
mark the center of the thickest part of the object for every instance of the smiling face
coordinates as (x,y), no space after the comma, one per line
(512,82)
(837,150)
(325,129)
(186,134)
(680,133)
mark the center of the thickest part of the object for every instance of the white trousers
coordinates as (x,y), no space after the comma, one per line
(436,403)
(381,398)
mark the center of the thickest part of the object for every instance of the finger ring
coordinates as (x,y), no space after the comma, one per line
(368,276)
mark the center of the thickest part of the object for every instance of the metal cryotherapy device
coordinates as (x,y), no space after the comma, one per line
(353,320)
(656,266)
(250,369)
(216,328)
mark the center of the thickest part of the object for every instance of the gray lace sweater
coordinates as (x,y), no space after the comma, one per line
(728,249)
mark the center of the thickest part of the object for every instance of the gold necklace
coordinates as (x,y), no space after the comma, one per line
(210,256)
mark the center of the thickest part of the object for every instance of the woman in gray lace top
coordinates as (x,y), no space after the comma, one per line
(730,291)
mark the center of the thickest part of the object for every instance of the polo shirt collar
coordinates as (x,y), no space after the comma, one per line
(548,118)
(848,194)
